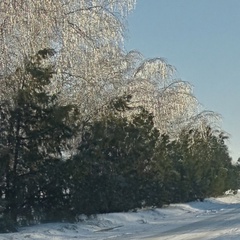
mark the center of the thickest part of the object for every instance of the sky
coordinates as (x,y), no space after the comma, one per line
(201,38)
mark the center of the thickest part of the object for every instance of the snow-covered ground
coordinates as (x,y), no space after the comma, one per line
(212,219)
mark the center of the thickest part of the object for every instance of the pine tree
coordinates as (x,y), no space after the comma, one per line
(34,134)
(111,171)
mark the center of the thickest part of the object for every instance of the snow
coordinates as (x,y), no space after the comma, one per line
(214,218)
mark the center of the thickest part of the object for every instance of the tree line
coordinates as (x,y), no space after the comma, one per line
(86,127)
(56,166)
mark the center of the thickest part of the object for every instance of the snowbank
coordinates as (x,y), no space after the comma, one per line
(194,220)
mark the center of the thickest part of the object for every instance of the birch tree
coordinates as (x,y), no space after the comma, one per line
(91,65)
(153,85)
(87,36)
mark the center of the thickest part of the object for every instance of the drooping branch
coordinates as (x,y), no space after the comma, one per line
(87,36)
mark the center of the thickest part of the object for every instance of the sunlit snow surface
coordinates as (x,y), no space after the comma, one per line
(212,219)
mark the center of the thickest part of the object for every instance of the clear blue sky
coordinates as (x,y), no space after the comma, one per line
(201,38)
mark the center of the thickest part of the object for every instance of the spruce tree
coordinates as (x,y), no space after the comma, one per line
(34,134)
(112,168)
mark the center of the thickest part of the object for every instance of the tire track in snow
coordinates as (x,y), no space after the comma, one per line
(220,224)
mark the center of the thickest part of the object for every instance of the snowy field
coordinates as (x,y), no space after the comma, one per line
(212,219)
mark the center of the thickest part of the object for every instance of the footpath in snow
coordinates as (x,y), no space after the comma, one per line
(217,219)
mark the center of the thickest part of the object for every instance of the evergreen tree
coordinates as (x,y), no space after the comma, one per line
(111,171)
(204,165)
(34,134)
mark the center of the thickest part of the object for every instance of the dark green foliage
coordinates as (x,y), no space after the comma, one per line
(34,132)
(203,165)
(122,162)
(7,225)
(111,169)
